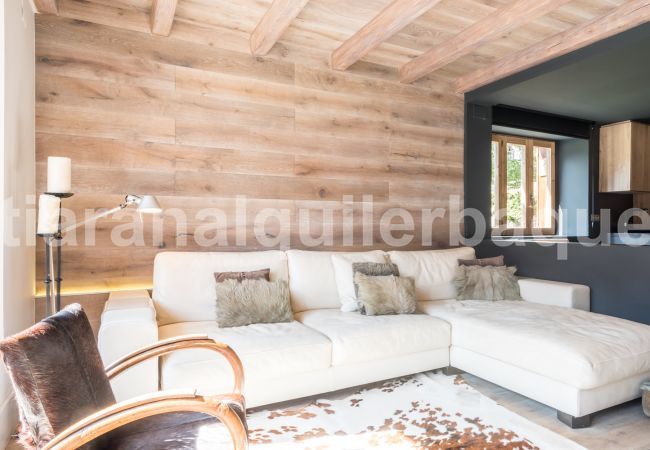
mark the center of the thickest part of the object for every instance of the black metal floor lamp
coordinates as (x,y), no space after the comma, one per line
(49,228)
(53,298)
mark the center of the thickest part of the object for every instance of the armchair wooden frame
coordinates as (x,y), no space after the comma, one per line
(117,415)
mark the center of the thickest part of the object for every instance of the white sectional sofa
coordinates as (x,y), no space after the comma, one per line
(549,347)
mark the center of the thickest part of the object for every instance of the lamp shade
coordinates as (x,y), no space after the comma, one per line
(149,205)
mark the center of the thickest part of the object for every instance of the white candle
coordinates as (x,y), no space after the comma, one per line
(48,214)
(59,175)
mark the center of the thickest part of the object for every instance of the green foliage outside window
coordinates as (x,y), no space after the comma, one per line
(514,166)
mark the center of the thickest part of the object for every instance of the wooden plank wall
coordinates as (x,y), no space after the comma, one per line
(93,305)
(197,125)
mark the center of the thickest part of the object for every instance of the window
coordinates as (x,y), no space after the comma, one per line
(523,185)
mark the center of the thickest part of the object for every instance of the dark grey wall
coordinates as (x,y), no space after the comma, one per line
(479,120)
(478,134)
(604,82)
(572,185)
(618,275)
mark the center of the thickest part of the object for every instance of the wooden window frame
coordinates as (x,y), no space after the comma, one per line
(527,180)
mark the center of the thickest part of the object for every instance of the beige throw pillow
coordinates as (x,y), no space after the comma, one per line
(380,295)
(487,283)
(252,301)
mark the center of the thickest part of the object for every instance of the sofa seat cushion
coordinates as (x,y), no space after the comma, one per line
(267,351)
(578,348)
(357,338)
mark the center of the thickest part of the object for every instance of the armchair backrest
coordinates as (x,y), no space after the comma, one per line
(57,374)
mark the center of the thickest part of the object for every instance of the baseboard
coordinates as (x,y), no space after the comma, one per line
(8,419)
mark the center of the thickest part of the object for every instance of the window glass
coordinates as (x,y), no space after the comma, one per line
(515,177)
(493,183)
(541,195)
(522,190)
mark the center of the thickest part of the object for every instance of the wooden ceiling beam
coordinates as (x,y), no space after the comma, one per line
(629,15)
(275,21)
(162,16)
(46,6)
(499,22)
(389,21)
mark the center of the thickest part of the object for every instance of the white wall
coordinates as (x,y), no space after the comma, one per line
(17,182)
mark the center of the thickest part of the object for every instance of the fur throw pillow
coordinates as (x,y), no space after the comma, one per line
(373,269)
(262,274)
(493,261)
(487,283)
(380,295)
(252,301)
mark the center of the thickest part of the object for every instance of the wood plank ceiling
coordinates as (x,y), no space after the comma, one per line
(411,40)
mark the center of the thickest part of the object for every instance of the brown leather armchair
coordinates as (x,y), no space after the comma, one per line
(65,399)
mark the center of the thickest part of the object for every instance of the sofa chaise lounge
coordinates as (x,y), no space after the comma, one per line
(548,347)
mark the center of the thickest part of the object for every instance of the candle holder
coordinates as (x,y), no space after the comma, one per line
(49,270)
(53,296)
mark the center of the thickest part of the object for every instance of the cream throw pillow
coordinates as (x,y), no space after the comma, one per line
(343,273)
(380,295)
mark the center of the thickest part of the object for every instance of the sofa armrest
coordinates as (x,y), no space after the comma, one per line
(127,324)
(555,293)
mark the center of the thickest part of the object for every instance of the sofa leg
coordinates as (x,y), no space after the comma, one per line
(574,422)
(450,371)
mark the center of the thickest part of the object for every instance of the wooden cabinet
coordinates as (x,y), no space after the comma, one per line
(625,157)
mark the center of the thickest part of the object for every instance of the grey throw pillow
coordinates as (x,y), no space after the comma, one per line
(246,302)
(380,295)
(487,283)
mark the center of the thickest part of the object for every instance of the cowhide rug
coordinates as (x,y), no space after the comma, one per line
(425,411)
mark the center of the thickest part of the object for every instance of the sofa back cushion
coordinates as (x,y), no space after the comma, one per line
(184,285)
(432,270)
(311,280)
(344,274)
